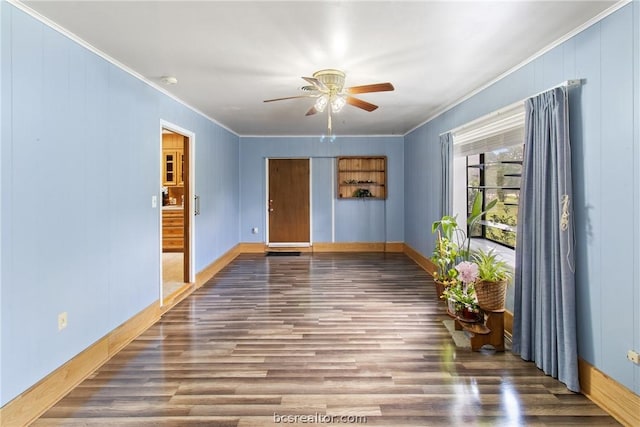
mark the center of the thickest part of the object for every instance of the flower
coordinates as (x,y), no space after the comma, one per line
(468,272)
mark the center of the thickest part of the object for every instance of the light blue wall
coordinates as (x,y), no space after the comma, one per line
(353,220)
(605,119)
(80,162)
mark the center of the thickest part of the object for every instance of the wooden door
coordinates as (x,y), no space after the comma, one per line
(183,170)
(288,205)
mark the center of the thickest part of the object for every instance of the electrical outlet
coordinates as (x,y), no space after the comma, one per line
(254,230)
(62,320)
(634,356)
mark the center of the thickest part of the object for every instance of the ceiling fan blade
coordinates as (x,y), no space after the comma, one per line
(309,88)
(361,104)
(311,111)
(289,97)
(376,87)
(317,83)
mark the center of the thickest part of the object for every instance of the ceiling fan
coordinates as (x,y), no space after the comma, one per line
(327,86)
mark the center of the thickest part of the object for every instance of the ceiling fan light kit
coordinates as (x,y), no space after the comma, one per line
(328,87)
(321,103)
(337,103)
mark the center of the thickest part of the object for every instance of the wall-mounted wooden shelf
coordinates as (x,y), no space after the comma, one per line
(362,177)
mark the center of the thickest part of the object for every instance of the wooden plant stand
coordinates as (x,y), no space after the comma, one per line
(491,332)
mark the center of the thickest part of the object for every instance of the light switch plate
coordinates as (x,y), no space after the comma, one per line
(62,320)
(154,201)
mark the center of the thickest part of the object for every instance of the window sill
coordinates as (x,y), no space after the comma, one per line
(508,255)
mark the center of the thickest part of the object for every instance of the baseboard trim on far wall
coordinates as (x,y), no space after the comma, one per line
(358,247)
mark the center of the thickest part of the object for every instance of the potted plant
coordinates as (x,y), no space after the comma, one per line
(460,296)
(444,257)
(493,277)
(452,243)
(453,297)
(462,304)
(468,309)
(467,275)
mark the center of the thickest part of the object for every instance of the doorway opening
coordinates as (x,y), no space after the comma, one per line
(176,224)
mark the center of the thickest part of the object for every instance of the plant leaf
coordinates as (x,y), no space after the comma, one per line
(491,204)
(476,207)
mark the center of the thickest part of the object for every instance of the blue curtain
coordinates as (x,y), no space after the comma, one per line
(544,329)
(446,146)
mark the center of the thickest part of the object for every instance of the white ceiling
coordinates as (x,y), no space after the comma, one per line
(230,56)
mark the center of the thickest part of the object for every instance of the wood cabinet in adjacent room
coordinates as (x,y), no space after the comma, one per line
(172,230)
(172,159)
(170,167)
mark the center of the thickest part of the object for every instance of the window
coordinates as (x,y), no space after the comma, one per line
(489,154)
(496,174)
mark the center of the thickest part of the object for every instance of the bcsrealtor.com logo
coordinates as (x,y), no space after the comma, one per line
(318,419)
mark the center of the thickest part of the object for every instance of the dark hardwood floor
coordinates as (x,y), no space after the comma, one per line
(353,335)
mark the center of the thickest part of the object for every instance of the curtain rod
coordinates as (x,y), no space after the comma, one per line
(567,83)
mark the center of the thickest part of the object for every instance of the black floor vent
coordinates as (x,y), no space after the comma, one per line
(283,253)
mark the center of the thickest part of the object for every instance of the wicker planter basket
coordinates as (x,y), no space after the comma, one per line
(491,295)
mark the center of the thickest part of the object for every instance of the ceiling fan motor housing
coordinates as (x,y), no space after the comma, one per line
(332,79)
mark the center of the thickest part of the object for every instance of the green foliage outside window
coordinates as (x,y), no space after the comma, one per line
(497,175)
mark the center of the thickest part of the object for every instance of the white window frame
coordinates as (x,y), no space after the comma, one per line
(499,129)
